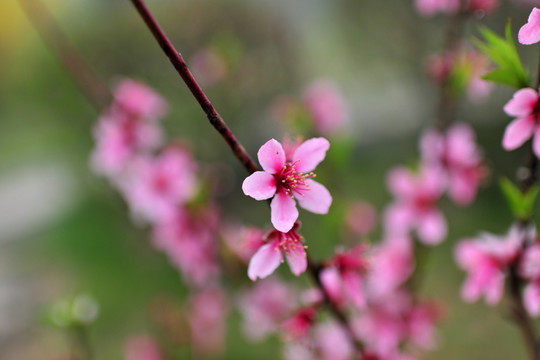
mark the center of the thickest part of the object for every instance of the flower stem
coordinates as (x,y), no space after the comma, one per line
(180,65)
(81,73)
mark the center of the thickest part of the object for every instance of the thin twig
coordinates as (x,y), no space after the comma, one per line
(217,122)
(83,75)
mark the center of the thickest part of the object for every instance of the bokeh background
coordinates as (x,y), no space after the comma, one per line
(64,231)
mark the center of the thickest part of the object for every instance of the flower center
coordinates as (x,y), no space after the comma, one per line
(292,181)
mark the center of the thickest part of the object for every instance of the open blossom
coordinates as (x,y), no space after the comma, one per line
(332,341)
(326,106)
(530,32)
(141,347)
(414,207)
(279,245)
(344,275)
(524,106)
(486,260)
(265,307)
(286,181)
(457,154)
(158,186)
(297,327)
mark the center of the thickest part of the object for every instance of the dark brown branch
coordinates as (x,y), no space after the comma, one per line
(238,150)
(180,65)
(81,73)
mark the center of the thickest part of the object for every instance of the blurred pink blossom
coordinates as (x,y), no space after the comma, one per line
(190,241)
(332,341)
(414,207)
(530,32)
(207,313)
(391,263)
(524,106)
(138,101)
(286,180)
(327,107)
(158,186)
(530,270)
(265,306)
(141,347)
(361,217)
(344,275)
(279,245)
(486,260)
(243,241)
(297,327)
(460,158)
(432,7)
(209,66)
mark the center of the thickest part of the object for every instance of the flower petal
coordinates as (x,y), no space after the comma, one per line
(530,32)
(316,199)
(531,299)
(264,262)
(522,103)
(271,156)
(517,132)
(536,142)
(432,228)
(296,258)
(310,154)
(283,212)
(260,185)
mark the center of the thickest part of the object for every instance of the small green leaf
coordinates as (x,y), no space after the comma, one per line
(502,51)
(521,204)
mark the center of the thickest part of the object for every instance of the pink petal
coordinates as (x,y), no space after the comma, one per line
(536,142)
(296,258)
(432,228)
(354,288)
(530,32)
(264,262)
(531,299)
(260,185)
(517,132)
(310,154)
(522,103)
(271,156)
(401,183)
(331,281)
(317,199)
(283,212)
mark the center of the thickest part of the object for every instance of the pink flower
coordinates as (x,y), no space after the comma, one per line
(486,260)
(524,106)
(460,158)
(119,139)
(530,32)
(158,186)
(326,105)
(333,341)
(279,245)
(207,313)
(414,207)
(286,180)
(265,306)
(190,241)
(391,263)
(141,347)
(345,275)
(432,7)
(484,6)
(138,101)
(243,241)
(530,269)
(298,326)
(209,66)
(361,217)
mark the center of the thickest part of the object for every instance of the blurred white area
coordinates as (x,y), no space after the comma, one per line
(32,196)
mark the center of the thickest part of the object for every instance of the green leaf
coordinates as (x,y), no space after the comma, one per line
(502,51)
(521,204)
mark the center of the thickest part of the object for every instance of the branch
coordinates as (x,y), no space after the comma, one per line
(217,122)
(85,78)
